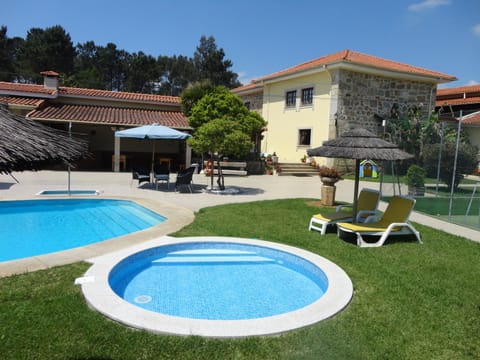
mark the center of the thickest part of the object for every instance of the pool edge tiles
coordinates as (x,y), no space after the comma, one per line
(69,193)
(101,297)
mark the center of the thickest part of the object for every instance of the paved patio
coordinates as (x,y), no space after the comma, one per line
(178,207)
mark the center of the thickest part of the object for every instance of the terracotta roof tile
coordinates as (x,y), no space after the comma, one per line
(109,115)
(459,90)
(39,90)
(23,101)
(26,88)
(353,57)
(457,101)
(118,95)
(472,119)
(50,73)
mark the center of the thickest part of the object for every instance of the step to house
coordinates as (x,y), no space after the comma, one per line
(297,169)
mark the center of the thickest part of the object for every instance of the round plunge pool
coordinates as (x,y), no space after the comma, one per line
(217,286)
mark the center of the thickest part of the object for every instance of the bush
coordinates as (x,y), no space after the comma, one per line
(466,162)
(415,176)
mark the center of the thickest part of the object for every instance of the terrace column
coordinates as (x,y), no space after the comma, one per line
(116,155)
(188,155)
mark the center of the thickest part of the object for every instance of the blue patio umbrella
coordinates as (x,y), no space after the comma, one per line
(152,132)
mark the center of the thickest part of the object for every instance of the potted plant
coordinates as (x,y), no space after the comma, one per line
(275,158)
(415,179)
(268,169)
(278,169)
(329,175)
(304,159)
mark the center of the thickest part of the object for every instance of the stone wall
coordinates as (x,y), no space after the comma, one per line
(363,100)
(255,100)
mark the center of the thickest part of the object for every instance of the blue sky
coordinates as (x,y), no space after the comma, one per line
(264,36)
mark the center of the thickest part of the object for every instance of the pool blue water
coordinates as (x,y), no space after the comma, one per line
(35,227)
(218,281)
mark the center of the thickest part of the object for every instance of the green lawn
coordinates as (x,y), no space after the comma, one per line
(411,301)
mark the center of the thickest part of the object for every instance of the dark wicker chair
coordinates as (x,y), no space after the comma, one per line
(161,173)
(141,175)
(184,178)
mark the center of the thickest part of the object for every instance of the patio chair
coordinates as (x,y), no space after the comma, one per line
(161,173)
(394,221)
(366,206)
(184,178)
(141,175)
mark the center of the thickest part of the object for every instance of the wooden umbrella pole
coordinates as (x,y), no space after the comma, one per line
(355,191)
(153,161)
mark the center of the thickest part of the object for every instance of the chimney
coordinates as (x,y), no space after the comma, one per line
(50,79)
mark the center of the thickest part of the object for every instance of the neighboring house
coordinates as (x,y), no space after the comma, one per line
(315,101)
(467,100)
(96,114)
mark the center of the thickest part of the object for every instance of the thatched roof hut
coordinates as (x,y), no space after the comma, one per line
(28,145)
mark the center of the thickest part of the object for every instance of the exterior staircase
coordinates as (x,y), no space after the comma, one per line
(297,169)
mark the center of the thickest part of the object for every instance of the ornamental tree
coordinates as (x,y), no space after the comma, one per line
(223,126)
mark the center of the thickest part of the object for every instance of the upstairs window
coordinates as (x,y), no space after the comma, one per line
(304,136)
(291,98)
(307,96)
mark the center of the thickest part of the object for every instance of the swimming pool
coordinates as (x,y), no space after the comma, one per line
(35,227)
(218,281)
(219,287)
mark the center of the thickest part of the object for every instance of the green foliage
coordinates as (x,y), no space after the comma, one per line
(9,48)
(415,176)
(215,105)
(49,49)
(192,94)
(466,161)
(210,64)
(142,69)
(222,136)
(107,67)
(176,74)
(406,132)
(223,125)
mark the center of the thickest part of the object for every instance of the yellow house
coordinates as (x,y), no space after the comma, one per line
(309,103)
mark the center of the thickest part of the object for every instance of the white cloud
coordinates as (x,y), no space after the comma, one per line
(473,82)
(476,30)
(244,78)
(428,4)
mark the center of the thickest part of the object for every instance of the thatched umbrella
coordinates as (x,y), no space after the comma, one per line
(28,145)
(359,144)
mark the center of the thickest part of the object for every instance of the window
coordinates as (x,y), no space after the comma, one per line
(248,105)
(304,136)
(291,98)
(307,96)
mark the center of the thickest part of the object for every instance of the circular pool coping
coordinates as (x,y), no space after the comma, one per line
(101,297)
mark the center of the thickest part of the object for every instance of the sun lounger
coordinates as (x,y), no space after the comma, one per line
(367,205)
(394,221)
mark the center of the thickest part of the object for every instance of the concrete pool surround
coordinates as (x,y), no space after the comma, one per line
(100,296)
